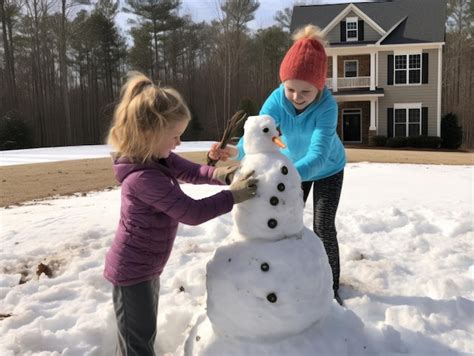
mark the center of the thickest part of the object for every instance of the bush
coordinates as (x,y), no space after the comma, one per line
(397,142)
(14,132)
(416,142)
(451,132)
(424,142)
(249,106)
(378,141)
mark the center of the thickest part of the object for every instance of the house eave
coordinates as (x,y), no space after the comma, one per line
(369,48)
(360,13)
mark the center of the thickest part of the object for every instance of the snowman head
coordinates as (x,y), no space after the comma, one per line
(261,135)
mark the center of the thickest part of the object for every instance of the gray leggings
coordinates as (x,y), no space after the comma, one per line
(326,194)
(136,310)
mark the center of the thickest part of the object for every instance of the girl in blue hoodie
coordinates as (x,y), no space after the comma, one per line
(306,113)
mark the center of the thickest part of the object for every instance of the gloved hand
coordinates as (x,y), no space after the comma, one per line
(244,188)
(222,154)
(224,174)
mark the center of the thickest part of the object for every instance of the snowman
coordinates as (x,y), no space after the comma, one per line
(272,281)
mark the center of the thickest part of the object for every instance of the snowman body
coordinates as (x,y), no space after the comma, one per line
(273,281)
(279,200)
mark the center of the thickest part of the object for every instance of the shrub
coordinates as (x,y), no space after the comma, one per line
(397,142)
(378,141)
(249,106)
(14,132)
(416,142)
(451,132)
(424,142)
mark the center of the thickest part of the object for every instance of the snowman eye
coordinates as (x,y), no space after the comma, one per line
(265,129)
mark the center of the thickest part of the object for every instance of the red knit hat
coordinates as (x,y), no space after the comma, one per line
(305,60)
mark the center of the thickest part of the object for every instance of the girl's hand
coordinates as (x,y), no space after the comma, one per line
(224,174)
(222,154)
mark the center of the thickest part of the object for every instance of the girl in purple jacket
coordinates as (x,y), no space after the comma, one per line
(147,126)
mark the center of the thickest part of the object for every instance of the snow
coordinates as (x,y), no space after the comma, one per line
(54,154)
(406,240)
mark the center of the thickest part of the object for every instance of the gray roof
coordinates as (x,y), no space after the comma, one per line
(425,20)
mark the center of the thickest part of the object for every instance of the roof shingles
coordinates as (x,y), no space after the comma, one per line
(417,28)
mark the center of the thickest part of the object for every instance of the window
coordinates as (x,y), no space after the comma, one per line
(351,29)
(407,121)
(407,69)
(350,68)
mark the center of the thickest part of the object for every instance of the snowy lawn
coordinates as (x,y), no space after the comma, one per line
(406,239)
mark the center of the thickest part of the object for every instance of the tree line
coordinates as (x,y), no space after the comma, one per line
(65,60)
(63,63)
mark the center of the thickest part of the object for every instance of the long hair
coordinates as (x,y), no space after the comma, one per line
(143,115)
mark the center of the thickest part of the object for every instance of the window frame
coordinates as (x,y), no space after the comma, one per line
(408,68)
(357,67)
(356,21)
(407,107)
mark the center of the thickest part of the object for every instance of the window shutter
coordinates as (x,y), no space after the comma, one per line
(343,31)
(424,121)
(360,27)
(424,75)
(389,122)
(390,69)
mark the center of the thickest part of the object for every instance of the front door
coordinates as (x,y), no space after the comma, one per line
(351,123)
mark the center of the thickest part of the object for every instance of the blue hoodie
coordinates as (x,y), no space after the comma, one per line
(312,143)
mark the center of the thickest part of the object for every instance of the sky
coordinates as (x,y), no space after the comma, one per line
(206,10)
(406,240)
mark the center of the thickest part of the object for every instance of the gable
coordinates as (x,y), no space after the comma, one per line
(381,17)
(365,32)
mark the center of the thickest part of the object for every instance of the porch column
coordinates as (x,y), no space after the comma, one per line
(373,125)
(334,73)
(372,71)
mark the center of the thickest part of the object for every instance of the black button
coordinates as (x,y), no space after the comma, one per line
(272,298)
(284,170)
(265,267)
(274,200)
(281,187)
(272,223)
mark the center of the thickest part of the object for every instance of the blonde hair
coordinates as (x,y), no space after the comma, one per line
(143,114)
(311,32)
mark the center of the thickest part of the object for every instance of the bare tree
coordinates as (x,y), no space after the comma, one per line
(458,64)
(283,18)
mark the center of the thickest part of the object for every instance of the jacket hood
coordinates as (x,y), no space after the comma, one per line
(290,109)
(123,167)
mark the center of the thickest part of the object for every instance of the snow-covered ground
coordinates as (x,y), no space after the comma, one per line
(53,154)
(406,239)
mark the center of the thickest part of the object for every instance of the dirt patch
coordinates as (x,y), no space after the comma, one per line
(28,182)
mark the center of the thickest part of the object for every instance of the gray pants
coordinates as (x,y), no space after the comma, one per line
(326,194)
(136,310)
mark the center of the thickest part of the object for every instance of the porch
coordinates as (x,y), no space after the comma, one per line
(346,72)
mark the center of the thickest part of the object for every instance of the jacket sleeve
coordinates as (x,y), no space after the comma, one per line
(318,152)
(190,172)
(165,195)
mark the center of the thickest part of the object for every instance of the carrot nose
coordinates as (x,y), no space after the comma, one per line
(278,142)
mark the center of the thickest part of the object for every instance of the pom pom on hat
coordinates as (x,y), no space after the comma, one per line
(305,60)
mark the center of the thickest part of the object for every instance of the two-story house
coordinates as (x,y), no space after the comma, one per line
(384,65)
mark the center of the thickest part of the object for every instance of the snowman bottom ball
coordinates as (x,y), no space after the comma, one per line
(259,289)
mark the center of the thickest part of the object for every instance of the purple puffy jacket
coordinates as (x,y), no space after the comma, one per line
(152,205)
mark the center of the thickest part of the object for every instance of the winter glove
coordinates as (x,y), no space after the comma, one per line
(244,188)
(224,174)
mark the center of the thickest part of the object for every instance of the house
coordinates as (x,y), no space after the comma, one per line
(384,65)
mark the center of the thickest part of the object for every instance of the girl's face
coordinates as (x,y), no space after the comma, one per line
(300,93)
(170,139)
